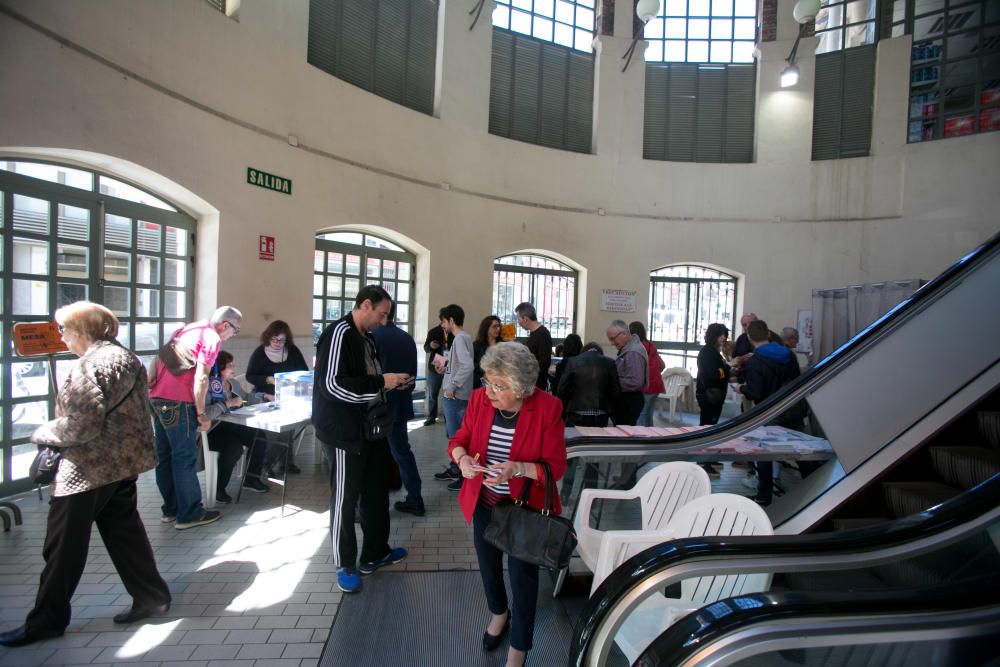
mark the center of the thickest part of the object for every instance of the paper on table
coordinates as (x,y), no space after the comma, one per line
(250,410)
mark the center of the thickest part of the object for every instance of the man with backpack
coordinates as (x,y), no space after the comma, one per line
(770,367)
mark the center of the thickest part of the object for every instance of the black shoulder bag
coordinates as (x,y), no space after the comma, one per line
(378,418)
(541,538)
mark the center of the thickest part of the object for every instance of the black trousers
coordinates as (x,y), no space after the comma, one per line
(629,407)
(229,440)
(523,583)
(67,540)
(709,413)
(363,476)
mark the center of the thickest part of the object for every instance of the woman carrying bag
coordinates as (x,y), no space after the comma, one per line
(508,430)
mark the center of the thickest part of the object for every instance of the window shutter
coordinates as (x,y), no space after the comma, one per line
(699,113)
(388,47)
(711,108)
(741,84)
(842,107)
(218,4)
(541,93)
(501,82)
(682,112)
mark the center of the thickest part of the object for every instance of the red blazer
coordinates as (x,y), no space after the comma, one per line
(538,436)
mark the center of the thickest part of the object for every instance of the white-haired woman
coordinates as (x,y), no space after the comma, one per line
(103,431)
(509,428)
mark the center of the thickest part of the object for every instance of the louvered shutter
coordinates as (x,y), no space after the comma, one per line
(541,93)
(842,103)
(388,47)
(654,133)
(218,4)
(710,113)
(741,83)
(682,112)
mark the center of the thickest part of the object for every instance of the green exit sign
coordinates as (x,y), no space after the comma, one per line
(262,179)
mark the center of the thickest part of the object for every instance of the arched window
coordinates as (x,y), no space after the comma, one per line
(549,285)
(344,262)
(683,301)
(70,234)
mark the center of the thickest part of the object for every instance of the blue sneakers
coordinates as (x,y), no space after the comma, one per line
(348,580)
(393,557)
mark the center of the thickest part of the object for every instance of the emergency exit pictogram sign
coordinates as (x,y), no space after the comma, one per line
(267,248)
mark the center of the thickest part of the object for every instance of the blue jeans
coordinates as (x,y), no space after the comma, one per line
(399,447)
(431,394)
(646,416)
(175,427)
(454,412)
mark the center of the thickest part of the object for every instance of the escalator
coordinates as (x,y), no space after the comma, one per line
(877,399)
(941,608)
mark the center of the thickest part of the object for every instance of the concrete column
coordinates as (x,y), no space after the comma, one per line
(462,93)
(618,96)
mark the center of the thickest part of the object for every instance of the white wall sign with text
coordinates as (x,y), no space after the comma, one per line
(618,300)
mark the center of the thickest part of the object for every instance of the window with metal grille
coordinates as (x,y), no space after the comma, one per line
(843,103)
(549,285)
(344,262)
(699,113)
(387,47)
(541,93)
(702,31)
(68,234)
(683,301)
(955,65)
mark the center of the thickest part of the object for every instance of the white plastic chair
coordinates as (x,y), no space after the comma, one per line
(717,514)
(676,382)
(661,492)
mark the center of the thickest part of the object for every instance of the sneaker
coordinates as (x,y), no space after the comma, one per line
(393,557)
(223,497)
(294,469)
(255,485)
(168,518)
(750,481)
(455,485)
(210,516)
(446,475)
(348,580)
(430,421)
(415,508)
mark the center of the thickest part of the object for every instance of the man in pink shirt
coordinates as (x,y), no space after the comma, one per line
(178,403)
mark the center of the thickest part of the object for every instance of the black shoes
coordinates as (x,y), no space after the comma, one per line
(138,613)
(20,636)
(255,485)
(294,469)
(492,642)
(410,507)
(430,421)
(446,475)
(455,485)
(223,497)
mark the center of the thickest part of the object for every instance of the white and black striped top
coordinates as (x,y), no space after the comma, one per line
(498,451)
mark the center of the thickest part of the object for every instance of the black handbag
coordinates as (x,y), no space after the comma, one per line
(540,538)
(43,468)
(378,419)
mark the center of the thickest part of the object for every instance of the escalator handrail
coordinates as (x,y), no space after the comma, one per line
(867,612)
(791,393)
(808,550)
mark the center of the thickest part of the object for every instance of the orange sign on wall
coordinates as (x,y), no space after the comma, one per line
(32,339)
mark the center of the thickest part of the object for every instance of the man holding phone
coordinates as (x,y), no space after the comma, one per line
(348,377)
(398,353)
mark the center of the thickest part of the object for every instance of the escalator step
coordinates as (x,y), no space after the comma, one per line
(905,498)
(965,467)
(848,524)
(841,580)
(989,426)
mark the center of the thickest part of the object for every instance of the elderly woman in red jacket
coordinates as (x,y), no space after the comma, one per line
(508,429)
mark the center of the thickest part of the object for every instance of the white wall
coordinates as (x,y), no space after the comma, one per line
(195,97)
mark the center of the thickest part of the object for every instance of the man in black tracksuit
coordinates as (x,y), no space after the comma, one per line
(347,378)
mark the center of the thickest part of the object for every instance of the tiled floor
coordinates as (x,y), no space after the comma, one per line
(255,588)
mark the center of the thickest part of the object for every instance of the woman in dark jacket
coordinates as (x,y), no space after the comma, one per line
(487,336)
(713,374)
(276,353)
(572,345)
(103,431)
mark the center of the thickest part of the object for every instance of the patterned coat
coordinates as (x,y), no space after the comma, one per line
(102,424)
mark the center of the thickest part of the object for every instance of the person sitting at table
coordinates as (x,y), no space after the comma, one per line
(227,438)
(276,353)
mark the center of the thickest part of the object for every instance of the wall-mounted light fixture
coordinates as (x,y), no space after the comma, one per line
(803,12)
(644,10)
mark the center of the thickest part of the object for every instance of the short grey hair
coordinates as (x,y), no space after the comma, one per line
(515,364)
(788,332)
(617,325)
(525,308)
(225,314)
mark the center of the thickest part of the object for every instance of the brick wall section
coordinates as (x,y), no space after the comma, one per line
(769,20)
(606,18)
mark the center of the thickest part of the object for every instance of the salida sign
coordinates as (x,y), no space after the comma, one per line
(262,179)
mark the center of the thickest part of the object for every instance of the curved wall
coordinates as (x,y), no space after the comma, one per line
(197,97)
